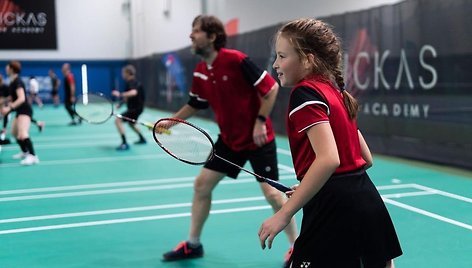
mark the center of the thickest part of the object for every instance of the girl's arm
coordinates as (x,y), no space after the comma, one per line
(365,152)
(326,162)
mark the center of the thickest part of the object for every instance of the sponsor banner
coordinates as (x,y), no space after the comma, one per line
(28,24)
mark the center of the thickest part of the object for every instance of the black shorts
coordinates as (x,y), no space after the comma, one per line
(133,114)
(24,109)
(263,160)
(345,224)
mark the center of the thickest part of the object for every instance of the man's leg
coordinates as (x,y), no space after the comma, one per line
(204,184)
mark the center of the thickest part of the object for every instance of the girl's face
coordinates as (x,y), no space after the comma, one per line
(289,66)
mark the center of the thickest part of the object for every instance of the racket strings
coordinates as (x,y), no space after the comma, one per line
(93,108)
(185,143)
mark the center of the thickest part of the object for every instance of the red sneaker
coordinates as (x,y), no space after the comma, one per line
(183,251)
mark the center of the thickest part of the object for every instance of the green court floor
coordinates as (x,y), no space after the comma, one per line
(87,205)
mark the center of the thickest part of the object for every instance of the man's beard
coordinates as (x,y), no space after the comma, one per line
(203,52)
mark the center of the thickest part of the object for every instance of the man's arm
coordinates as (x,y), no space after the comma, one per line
(259,133)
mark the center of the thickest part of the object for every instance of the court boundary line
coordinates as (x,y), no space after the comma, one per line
(387,199)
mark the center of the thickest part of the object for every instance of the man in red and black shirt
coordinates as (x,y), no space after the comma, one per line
(241,96)
(69,93)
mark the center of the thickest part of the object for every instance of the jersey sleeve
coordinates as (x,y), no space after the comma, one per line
(258,78)
(196,100)
(70,79)
(307,108)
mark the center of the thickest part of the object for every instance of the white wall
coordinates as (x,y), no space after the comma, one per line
(255,14)
(160,33)
(86,30)
(154,30)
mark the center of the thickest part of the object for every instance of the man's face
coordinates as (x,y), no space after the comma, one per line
(202,44)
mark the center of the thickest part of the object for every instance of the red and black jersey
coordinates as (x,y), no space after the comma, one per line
(231,86)
(68,82)
(316,101)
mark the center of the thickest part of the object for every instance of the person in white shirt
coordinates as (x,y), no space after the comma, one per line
(34,92)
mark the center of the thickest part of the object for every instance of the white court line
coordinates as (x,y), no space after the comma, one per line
(156,207)
(91,160)
(126,220)
(400,195)
(95,186)
(126,210)
(74,225)
(122,190)
(62,146)
(283,151)
(427,213)
(115,184)
(443,193)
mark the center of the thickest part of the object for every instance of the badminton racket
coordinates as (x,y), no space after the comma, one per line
(95,108)
(191,144)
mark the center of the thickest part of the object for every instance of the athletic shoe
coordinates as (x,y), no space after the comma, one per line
(183,251)
(5,141)
(30,160)
(288,258)
(123,147)
(20,155)
(143,141)
(72,123)
(41,125)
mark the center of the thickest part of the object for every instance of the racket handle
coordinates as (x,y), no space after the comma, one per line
(278,186)
(162,130)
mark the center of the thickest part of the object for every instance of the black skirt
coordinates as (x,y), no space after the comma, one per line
(346,224)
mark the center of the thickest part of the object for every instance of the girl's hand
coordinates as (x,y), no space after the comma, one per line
(271,227)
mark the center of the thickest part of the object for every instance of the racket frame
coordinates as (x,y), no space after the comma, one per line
(181,121)
(112,113)
(212,153)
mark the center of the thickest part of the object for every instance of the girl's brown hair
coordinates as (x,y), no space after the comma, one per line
(311,36)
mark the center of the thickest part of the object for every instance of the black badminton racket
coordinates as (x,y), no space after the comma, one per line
(191,144)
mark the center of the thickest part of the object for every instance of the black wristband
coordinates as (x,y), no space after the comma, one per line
(262,118)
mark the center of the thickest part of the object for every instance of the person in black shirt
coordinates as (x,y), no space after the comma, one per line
(24,112)
(55,83)
(133,96)
(4,93)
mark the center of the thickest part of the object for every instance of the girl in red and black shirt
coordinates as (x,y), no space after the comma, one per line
(345,222)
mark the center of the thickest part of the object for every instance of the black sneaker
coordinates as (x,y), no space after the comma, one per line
(183,251)
(5,141)
(141,141)
(123,147)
